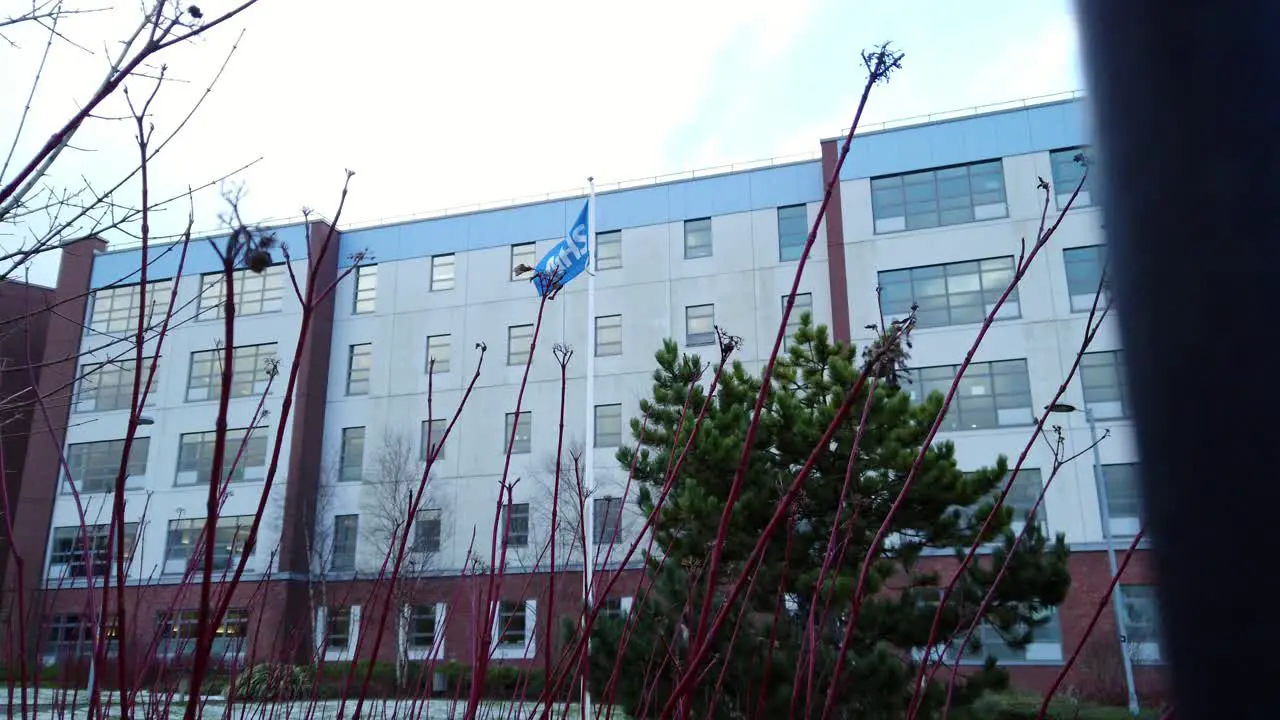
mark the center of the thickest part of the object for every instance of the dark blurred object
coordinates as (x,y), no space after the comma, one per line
(1185,104)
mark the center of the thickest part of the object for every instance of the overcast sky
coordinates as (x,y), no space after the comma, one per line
(436,105)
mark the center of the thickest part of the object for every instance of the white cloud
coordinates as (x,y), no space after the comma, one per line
(438,105)
(432,104)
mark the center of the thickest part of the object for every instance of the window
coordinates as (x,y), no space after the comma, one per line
(1102,376)
(1123,498)
(68,636)
(519,340)
(442,272)
(697,238)
(1067,173)
(952,294)
(607,519)
(523,254)
(608,425)
(195,457)
(990,395)
(116,310)
(943,196)
(109,386)
(793,231)
(439,348)
(76,551)
(178,632)
(422,627)
(700,325)
(255,293)
(1142,623)
(609,250)
(432,436)
(1045,645)
(366,293)
(250,371)
(345,528)
(513,628)
(94,465)
(427,530)
(517,528)
(608,335)
(1021,499)
(1084,273)
(359,363)
(612,608)
(351,462)
(524,433)
(338,629)
(804,304)
(184,543)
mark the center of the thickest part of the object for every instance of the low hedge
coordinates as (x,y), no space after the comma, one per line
(1012,706)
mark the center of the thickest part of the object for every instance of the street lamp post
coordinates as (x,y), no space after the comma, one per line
(1117,596)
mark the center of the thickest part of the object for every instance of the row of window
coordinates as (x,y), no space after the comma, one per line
(944,295)
(990,395)
(116,310)
(793,230)
(907,201)
(75,552)
(966,292)
(109,385)
(1142,641)
(69,636)
(514,624)
(962,193)
(513,522)
(95,465)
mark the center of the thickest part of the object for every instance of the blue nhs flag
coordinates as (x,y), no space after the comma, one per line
(568,258)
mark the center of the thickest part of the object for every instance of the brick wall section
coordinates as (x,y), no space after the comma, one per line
(1098,672)
(307,442)
(463,597)
(264,602)
(34,507)
(22,337)
(837,273)
(272,614)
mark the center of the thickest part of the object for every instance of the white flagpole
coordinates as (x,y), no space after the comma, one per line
(589,475)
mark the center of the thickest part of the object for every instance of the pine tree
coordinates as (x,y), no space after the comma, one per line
(942,514)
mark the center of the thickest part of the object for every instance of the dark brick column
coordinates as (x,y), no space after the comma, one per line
(305,455)
(838,282)
(22,336)
(40,470)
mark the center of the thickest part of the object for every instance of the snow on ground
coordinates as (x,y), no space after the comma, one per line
(68,705)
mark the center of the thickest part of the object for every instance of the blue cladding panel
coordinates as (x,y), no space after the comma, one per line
(638,207)
(710,196)
(980,137)
(632,208)
(787,185)
(122,267)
